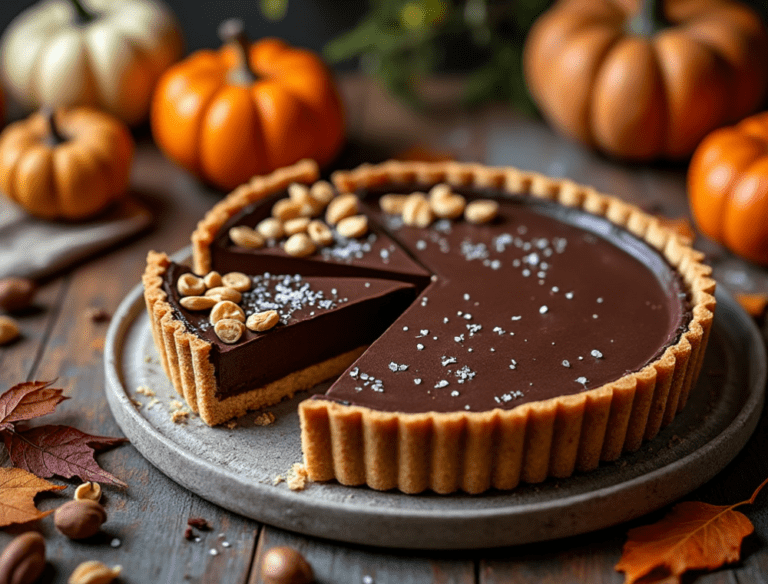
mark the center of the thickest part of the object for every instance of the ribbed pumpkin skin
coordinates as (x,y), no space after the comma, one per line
(728,187)
(73,180)
(646,96)
(226,132)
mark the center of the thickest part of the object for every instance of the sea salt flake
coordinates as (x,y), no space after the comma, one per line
(596,354)
(582,380)
(516,317)
(466,296)
(447,360)
(419,347)
(440,384)
(459,338)
(566,363)
(569,295)
(543,310)
(498,330)
(455,393)
(467,316)
(474,328)
(417,381)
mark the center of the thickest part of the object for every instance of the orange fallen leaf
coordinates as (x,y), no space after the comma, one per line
(18,489)
(693,536)
(754,304)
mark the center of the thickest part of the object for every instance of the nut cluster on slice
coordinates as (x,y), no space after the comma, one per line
(421,209)
(221,295)
(295,222)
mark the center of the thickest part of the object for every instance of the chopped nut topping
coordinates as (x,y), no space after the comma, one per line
(297,477)
(9,330)
(320,233)
(226,310)
(270,228)
(322,192)
(416,211)
(93,572)
(262,321)
(298,225)
(444,203)
(224,293)
(179,416)
(88,491)
(340,207)
(229,330)
(286,209)
(309,207)
(392,203)
(244,236)
(353,227)
(299,245)
(481,211)
(190,285)
(237,281)
(212,280)
(198,302)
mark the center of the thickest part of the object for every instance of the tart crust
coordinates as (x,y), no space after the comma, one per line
(475,451)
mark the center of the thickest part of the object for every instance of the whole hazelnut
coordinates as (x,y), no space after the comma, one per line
(16,293)
(79,519)
(285,565)
(23,560)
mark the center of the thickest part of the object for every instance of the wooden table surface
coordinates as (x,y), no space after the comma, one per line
(146,523)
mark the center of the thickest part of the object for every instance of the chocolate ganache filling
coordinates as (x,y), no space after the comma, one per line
(544,301)
(311,310)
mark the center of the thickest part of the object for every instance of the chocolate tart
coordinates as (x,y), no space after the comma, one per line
(565,331)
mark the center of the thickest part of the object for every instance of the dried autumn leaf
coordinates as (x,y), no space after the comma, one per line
(693,536)
(60,450)
(28,400)
(18,489)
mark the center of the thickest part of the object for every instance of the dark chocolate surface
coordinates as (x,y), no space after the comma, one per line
(312,310)
(544,301)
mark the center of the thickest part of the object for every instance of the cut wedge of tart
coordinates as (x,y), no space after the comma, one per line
(284,333)
(555,327)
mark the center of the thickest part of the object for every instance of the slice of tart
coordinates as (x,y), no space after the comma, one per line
(234,342)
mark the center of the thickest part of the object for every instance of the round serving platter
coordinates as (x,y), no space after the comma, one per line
(236,467)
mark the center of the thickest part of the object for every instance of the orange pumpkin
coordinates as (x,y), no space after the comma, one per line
(65,165)
(642,79)
(247,109)
(728,187)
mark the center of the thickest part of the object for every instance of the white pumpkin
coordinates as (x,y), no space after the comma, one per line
(107,54)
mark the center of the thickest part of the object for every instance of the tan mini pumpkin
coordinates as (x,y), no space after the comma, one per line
(65,165)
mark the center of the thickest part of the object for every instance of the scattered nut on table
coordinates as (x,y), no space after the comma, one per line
(16,294)
(9,330)
(89,491)
(285,565)
(79,519)
(23,560)
(94,572)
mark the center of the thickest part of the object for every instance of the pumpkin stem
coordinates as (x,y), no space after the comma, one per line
(649,19)
(83,16)
(55,137)
(232,32)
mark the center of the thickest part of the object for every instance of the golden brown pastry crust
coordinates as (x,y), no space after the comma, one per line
(475,451)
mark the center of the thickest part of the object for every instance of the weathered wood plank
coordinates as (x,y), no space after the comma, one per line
(334,563)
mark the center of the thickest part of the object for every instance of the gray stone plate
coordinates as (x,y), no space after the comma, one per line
(235,468)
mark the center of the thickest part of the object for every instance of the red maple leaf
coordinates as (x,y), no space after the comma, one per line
(28,400)
(60,450)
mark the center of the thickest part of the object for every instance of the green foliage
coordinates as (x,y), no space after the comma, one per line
(402,41)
